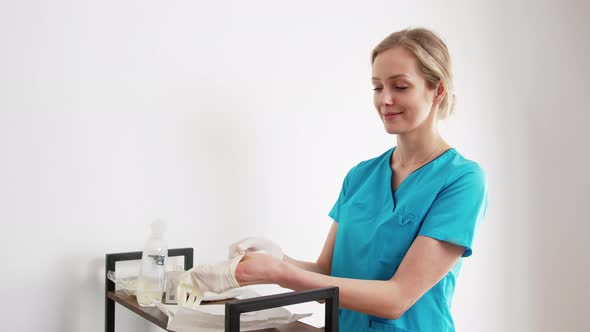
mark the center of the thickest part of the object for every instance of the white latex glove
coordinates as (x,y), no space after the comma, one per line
(216,278)
(253,244)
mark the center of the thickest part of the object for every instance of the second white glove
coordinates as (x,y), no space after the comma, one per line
(253,244)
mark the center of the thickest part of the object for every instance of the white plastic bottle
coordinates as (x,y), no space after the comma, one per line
(152,275)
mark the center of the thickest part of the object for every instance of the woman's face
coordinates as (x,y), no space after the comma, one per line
(401,94)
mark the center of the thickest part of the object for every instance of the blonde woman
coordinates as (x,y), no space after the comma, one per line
(405,219)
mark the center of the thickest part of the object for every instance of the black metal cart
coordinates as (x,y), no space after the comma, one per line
(233,309)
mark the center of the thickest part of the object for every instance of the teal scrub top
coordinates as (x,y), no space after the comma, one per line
(445,199)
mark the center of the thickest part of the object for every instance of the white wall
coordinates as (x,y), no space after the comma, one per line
(241,118)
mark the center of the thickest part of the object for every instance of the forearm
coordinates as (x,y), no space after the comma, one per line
(374,297)
(308,266)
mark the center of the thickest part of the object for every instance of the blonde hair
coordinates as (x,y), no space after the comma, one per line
(433,58)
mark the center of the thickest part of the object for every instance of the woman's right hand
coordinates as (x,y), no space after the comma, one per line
(259,268)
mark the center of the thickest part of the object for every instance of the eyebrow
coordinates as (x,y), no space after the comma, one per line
(391,77)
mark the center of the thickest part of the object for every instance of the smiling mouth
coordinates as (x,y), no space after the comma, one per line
(390,116)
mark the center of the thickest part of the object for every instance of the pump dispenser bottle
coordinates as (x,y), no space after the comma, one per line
(152,275)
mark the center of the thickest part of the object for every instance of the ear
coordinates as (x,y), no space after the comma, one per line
(440,92)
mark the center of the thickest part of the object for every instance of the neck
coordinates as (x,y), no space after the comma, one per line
(419,146)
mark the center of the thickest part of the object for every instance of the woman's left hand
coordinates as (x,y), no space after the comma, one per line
(257,268)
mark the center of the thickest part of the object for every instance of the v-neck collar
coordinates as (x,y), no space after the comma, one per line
(390,174)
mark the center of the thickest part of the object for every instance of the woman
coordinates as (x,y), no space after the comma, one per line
(404,219)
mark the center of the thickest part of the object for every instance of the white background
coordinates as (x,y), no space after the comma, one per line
(240,118)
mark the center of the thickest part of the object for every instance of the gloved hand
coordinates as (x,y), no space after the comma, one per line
(253,244)
(216,278)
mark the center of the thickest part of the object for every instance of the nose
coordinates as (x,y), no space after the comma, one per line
(386,97)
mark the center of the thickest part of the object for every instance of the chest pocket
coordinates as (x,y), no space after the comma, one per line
(358,213)
(394,234)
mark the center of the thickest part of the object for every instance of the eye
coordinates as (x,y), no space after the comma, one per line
(401,87)
(377,88)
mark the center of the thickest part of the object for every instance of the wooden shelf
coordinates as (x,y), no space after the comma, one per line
(157,317)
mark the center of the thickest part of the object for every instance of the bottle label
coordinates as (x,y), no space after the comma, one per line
(159,260)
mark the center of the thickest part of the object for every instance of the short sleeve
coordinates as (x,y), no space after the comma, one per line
(335,212)
(458,210)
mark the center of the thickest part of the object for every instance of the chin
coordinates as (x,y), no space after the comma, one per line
(392,130)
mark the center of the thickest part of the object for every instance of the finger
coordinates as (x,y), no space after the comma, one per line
(237,252)
(239,247)
(180,298)
(246,244)
(242,249)
(233,251)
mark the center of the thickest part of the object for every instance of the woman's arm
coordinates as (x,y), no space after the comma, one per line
(323,265)
(426,262)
